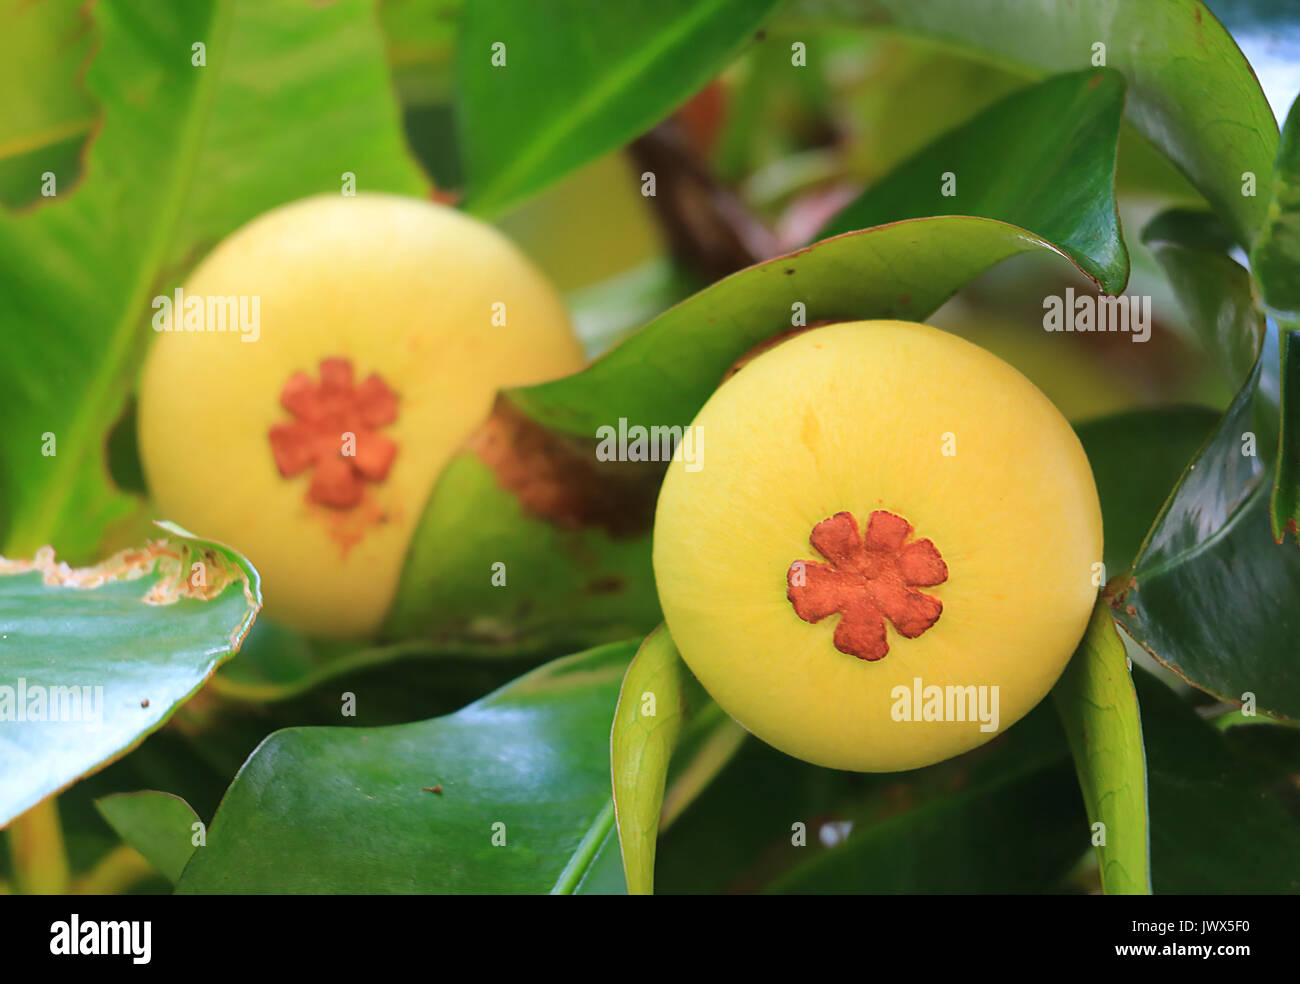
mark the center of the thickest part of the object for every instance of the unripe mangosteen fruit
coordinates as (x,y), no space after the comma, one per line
(320,368)
(887,554)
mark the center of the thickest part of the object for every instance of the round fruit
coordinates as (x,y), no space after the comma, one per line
(319,369)
(886,555)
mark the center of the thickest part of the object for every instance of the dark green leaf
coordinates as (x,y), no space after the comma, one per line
(579,79)
(1164,441)
(1004,818)
(1212,288)
(1275,260)
(1285,504)
(115,650)
(1042,158)
(1098,708)
(1275,256)
(1214,826)
(1190,91)
(351,809)
(1213,595)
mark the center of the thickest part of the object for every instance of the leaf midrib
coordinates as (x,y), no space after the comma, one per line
(94,409)
(595,99)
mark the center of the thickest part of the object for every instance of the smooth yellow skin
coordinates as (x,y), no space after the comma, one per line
(853,417)
(401,287)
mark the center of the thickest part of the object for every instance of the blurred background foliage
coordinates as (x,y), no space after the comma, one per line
(788,149)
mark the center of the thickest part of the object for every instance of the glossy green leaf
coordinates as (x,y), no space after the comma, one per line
(1190,91)
(1042,158)
(1213,289)
(94,659)
(524,803)
(1285,503)
(1275,256)
(663,374)
(545,88)
(1164,440)
(158,825)
(1216,825)
(1006,818)
(1212,594)
(186,154)
(1275,262)
(1098,707)
(46,115)
(565,586)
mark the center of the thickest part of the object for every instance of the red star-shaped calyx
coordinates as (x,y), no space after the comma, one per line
(867,581)
(335,433)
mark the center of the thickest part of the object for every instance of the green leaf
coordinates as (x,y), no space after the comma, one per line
(1190,91)
(158,825)
(1275,260)
(663,374)
(579,79)
(350,809)
(1213,289)
(641,744)
(46,116)
(1042,158)
(566,584)
(186,154)
(114,649)
(1212,595)
(1275,256)
(1098,707)
(1164,440)
(1215,825)
(1284,508)
(1007,820)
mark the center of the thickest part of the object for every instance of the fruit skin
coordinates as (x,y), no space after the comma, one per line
(852,417)
(401,288)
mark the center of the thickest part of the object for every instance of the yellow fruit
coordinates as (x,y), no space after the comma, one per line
(876,509)
(374,334)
